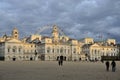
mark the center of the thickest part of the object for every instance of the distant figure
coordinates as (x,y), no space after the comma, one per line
(107,65)
(113,64)
(60,61)
(102,60)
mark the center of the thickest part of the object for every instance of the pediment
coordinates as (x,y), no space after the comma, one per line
(14,40)
(95,45)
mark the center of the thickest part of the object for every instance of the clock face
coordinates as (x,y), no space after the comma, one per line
(16,32)
(15,35)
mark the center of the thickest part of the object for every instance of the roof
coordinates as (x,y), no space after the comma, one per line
(36,41)
(45,37)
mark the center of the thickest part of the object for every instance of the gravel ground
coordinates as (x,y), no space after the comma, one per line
(50,70)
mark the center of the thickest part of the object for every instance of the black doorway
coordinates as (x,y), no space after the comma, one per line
(14,59)
(31,58)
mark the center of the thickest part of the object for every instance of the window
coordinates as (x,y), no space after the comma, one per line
(98,51)
(92,50)
(35,51)
(13,50)
(57,50)
(95,51)
(53,50)
(8,49)
(48,50)
(68,51)
(65,50)
(48,40)
(61,50)
(27,57)
(19,50)
(27,51)
(15,32)
(74,51)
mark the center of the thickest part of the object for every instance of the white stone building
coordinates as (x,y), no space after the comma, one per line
(11,48)
(97,49)
(52,47)
(39,47)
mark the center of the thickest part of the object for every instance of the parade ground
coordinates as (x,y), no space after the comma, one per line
(50,70)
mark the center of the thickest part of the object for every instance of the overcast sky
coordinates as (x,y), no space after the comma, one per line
(99,19)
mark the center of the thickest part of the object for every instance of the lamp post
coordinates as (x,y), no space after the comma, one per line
(35,54)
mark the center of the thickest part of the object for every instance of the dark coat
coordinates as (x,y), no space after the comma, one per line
(61,57)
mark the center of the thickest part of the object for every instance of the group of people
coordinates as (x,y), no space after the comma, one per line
(113,64)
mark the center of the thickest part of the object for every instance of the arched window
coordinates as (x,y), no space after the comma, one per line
(61,50)
(14,49)
(68,51)
(65,50)
(49,57)
(53,50)
(57,50)
(103,54)
(92,50)
(8,50)
(48,50)
(19,49)
(74,51)
(95,51)
(9,47)
(27,57)
(20,57)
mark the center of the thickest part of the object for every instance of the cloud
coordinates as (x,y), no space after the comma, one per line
(75,17)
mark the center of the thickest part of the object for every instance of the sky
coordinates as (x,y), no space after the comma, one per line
(99,19)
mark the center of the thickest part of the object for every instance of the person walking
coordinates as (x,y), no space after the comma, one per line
(107,65)
(61,60)
(113,64)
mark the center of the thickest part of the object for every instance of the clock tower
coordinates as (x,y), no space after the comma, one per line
(55,34)
(15,33)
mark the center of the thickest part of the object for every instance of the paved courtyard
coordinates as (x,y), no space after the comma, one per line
(49,70)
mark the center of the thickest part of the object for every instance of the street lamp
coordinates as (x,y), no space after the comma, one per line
(35,54)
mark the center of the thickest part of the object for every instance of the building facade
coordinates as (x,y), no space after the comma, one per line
(11,48)
(52,47)
(96,50)
(38,47)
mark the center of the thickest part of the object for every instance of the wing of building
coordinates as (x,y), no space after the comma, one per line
(11,48)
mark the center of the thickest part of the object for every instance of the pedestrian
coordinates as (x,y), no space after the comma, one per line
(107,65)
(102,60)
(113,64)
(61,60)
